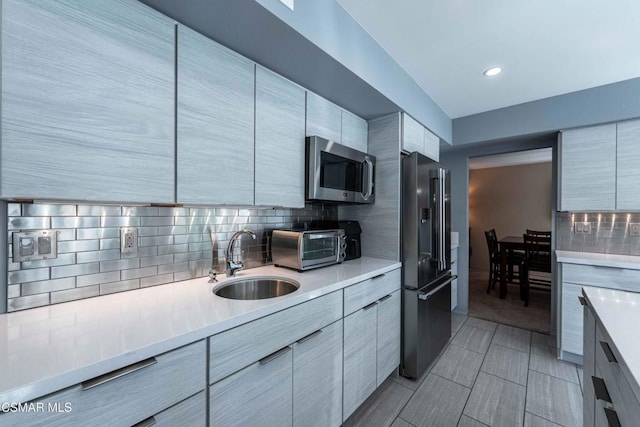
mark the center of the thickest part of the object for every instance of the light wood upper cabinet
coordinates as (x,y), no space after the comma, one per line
(415,137)
(215,129)
(412,135)
(354,131)
(87,101)
(280,110)
(588,168)
(324,118)
(628,166)
(431,145)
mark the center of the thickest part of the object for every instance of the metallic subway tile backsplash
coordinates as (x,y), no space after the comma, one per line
(609,233)
(174,244)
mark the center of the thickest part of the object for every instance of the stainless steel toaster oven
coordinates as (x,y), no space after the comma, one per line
(307,249)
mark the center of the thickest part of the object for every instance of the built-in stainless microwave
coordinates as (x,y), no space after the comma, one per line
(337,173)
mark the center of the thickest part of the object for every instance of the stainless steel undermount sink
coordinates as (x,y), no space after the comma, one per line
(252,288)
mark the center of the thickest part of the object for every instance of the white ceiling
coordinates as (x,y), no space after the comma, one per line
(542,155)
(546,47)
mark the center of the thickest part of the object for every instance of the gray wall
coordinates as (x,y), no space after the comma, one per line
(174,245)
(608,103)
(609,233)
(457,160)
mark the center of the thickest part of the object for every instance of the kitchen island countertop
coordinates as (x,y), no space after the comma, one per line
(619,314)
(46,349)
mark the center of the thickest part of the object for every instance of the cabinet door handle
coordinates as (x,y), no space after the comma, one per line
(367,307)
(582,301)
(118,373)
(384,298)
(601,389)
(612,417)
(308,337)
(274,356)
(607,352)
(378,276)
(151,421)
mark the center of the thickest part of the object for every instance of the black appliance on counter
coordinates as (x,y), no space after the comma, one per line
(352,233)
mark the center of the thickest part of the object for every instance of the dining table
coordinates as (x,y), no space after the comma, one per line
(506,246)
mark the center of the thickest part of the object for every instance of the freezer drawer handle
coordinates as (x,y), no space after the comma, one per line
(151,421)
(612,418)
(601,389)
(426,296)
(607,352)
(274,356)
(118,373)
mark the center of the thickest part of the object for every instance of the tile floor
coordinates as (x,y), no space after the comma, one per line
(488,375)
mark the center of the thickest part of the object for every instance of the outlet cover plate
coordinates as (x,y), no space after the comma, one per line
(634,229)
(128,240)
(580,227)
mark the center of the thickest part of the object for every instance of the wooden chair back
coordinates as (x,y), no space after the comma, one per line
(537,252)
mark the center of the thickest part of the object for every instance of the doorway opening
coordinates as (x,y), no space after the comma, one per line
(510,193)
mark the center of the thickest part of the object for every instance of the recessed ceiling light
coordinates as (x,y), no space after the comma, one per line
(493,71)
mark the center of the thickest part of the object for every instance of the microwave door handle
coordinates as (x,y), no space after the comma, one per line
(369,165)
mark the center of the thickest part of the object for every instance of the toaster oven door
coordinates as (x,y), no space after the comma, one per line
(319,249)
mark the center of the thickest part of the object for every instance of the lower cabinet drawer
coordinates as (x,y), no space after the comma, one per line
(191,412)
(622,396)
(236,348)
(126,396)
(259,395)
(369,291)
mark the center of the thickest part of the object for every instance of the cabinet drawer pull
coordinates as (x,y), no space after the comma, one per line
(151,421)
(582,301)
(612,417)
(384,298)
(378,276)
(601,389)
(118,373)
(607,352)
(275,355)
(308,337)
(367,307)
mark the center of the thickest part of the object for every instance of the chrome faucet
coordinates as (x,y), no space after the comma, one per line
(233,266)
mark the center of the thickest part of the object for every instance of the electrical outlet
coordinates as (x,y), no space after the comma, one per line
(128,240)
(634,229)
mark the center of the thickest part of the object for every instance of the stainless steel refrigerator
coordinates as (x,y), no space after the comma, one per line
(426,262)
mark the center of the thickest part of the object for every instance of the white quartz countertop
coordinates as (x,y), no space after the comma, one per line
(49,348)
(619,314)
(602,260)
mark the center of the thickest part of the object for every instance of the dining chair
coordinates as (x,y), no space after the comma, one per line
(537,258)
(539,233)
(494,258)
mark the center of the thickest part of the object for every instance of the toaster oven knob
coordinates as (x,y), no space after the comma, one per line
(343,246)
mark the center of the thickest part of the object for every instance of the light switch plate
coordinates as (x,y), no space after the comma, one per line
(34,245)
(582,227)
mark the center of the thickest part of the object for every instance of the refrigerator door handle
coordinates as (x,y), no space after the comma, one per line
(442,258)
